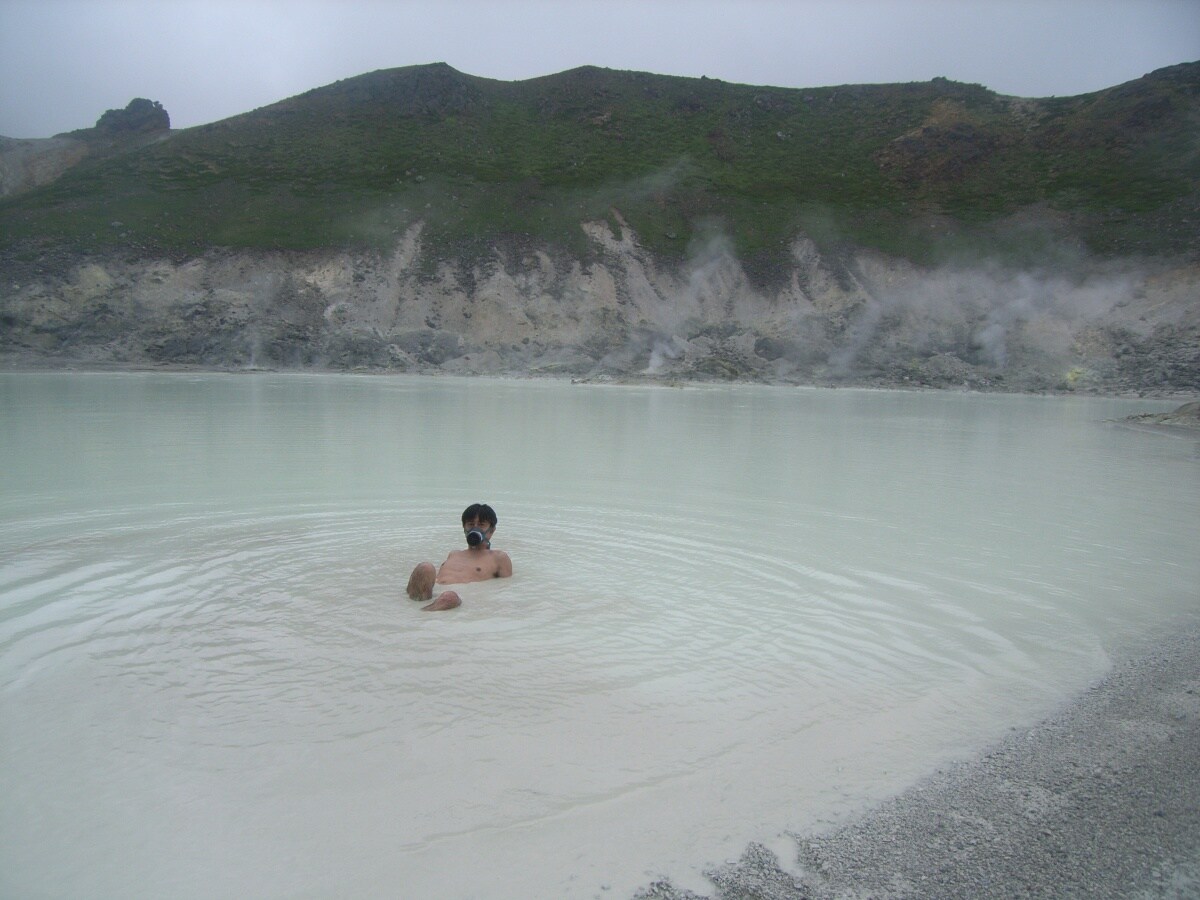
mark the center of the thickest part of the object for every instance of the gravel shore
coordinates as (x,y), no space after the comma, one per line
(1101,800)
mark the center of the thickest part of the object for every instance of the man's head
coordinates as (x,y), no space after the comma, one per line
(481,513)
(479,522)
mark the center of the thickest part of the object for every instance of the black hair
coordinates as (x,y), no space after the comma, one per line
(480,511)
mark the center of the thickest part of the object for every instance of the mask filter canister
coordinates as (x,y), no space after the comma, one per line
(475,537)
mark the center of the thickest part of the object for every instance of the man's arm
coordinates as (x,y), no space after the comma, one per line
(503,565)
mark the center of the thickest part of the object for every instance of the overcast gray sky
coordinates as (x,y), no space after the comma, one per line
(64,62)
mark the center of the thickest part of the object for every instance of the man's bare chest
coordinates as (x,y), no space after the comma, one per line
(467,569)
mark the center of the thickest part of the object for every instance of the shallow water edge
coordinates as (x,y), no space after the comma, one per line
(1099,799)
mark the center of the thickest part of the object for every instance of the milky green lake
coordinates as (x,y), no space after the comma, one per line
(736,610)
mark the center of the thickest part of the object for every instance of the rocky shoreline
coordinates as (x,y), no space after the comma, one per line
(1185,416)
(17,363)
(1100,800)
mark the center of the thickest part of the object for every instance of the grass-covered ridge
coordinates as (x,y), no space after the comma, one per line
(912,169)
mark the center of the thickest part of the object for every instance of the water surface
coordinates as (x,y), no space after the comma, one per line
(736,610)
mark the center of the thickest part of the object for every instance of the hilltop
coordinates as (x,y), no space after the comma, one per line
(872,164)
(729,201)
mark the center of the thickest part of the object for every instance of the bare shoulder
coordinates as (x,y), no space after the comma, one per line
(503,564)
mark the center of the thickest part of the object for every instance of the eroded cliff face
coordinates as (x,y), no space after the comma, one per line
(859,318)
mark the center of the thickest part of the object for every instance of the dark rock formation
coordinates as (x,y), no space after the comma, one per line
(139,116)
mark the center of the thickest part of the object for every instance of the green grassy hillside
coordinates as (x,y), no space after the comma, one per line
(918,170)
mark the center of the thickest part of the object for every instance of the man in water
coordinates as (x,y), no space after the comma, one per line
(478,562)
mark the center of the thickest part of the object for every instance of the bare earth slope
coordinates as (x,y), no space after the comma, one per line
(859,318)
